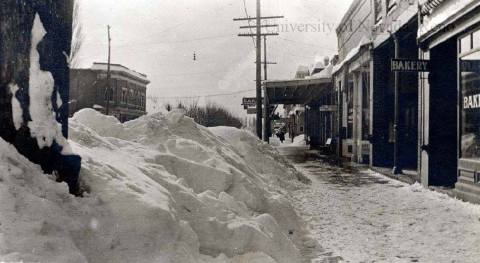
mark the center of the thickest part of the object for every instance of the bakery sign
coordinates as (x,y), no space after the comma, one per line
(410,65)
(471,102)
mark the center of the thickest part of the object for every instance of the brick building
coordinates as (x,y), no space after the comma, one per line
(127,95)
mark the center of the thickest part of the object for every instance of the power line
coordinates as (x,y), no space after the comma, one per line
(173,42)
(201,96)
(258,35)
(307,44)
(254,18)
(193,73)
(246,14)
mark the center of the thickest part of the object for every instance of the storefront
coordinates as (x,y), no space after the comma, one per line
(450,96)
(352,80)
(383,123)
(320,119)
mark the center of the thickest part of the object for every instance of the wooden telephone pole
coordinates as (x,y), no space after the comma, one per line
(258,35)
(108,88)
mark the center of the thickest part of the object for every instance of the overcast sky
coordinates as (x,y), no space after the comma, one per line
(159,37)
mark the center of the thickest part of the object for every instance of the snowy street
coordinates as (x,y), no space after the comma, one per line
(360,216)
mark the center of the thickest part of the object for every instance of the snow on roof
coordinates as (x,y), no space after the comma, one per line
(444,14)
(317,67)
(402,20)
(120,68)
(353,52)
(325,73)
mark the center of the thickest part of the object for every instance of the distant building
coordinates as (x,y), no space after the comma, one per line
(302,72)
(319,66)
(88,89)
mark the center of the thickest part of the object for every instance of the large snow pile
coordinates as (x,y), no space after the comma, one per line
(160,189)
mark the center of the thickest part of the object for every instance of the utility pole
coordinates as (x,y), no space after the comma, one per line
(265,57)
(259,71)
(108,89)
(397,169)
(258,35)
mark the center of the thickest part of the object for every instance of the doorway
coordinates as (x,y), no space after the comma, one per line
(440,117)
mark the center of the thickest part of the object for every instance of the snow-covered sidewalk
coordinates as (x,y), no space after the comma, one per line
(361,216)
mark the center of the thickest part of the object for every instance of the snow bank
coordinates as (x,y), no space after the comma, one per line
(160,189)
(299,140)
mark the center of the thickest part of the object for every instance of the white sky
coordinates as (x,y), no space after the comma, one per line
(159,37)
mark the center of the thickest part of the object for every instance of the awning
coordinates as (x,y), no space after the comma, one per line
(444,15)
(297,91)
(351,54)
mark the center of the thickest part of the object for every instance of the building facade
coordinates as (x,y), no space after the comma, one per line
(126,98)
(449,36)
(370,34)
(351,76)
(394,96)
(420,123)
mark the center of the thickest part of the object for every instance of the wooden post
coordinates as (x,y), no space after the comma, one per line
(108,88)
(259,71)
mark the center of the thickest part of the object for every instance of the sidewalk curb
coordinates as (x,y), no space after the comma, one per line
(405,178)
(409,179)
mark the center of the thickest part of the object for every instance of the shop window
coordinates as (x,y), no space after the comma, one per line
(470,92)
(105,95)
(365,105)
(350,108)
(132,97)
(108,94)
(124,95)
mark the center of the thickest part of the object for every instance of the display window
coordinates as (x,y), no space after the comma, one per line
(469,64)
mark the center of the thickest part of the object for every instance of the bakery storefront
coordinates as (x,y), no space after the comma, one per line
(450,96)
